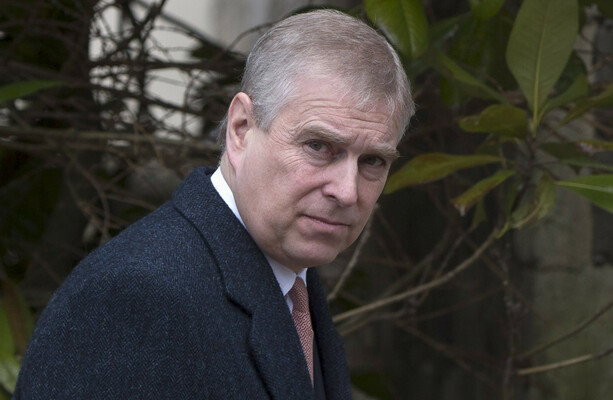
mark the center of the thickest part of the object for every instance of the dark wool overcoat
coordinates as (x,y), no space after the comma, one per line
(180,305)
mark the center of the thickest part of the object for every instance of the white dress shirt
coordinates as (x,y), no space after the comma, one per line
(285,276)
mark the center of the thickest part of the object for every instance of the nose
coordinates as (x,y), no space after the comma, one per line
(342,183)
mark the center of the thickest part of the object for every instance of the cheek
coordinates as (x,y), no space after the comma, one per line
(296,173)
(370,192)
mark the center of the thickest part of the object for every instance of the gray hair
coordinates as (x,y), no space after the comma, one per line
(329,43)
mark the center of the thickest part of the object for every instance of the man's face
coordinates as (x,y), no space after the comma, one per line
(306,188)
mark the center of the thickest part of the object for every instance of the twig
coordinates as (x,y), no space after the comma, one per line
(421,266)
(447,352)
(455,307)
(354,258)
(186,26)
(71,134)
(421,288)
(443,265)
(500,274)
(568,334)
(104,227)
(563,364)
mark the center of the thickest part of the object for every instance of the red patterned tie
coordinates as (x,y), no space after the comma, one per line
(302,319)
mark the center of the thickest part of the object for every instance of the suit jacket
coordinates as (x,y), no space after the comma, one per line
(180,305)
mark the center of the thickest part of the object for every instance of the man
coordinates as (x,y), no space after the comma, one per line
(204,298)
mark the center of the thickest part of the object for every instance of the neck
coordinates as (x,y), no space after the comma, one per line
(227,171)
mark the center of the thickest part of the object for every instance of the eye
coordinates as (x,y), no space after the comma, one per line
(316,145)
(373,161)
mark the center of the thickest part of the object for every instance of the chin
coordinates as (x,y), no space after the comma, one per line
(315,257)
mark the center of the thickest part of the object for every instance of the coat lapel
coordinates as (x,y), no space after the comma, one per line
(250,283)
(331,348)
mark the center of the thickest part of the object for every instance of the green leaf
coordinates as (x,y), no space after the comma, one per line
(578,149)
(596,188)
(591,146)
(579,88)
(9,367)
(536,203)
(604,99)
(7,345)
(575,67)
(593,165)
(452,69)
(564,150)
(541,42)
(18,90)
(19,320)
(440,31)
(579,153)
(499,119)
(476,47)
(480,214)
(493,145)
(432,166)
(485,9)
(404,21)
(467,199)
(508,202)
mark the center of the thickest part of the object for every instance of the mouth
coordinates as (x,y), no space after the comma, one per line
(327,221)
(327,226)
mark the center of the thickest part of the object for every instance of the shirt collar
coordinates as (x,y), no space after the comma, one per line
(284,275)
(220,184)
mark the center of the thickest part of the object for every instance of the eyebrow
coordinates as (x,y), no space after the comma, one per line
(387,152)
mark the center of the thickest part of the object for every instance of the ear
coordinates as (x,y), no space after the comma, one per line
(240,122)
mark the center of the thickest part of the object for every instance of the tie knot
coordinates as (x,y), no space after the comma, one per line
(299,295)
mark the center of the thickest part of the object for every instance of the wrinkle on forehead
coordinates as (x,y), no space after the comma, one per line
(318,76)
(310,86)
(340,110)
(339,120)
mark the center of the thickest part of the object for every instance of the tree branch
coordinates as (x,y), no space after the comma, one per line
(354,258)
(421,288)
(447,352)
(563,364)
(66,135)
(568,334)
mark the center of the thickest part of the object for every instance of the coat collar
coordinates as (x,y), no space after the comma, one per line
(331,347)
(249,282)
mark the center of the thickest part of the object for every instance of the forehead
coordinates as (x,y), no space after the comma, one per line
(323,103)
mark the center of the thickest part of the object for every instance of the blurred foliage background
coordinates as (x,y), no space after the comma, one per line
(483,273)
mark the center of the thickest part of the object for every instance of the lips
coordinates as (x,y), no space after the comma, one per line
(329,228)
(327,221)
